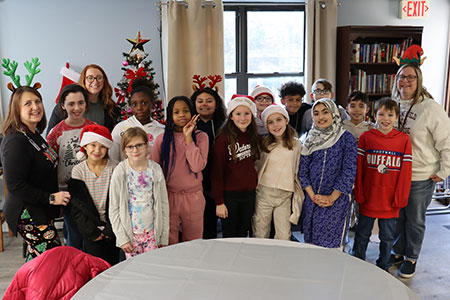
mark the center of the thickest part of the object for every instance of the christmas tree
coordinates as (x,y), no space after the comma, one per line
(135,66)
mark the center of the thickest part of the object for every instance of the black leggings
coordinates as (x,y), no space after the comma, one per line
(240,206)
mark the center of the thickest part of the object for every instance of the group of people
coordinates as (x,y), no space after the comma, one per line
(138,185)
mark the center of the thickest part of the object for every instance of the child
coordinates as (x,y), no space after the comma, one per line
(233,174)
(263,97)
(141,100)
(64,138)
(357,108)
(291,94)
(383,180)
(209,105)
(182,153)
(320,89)
(139,209)
(89,188)
(278,177)
(327,172)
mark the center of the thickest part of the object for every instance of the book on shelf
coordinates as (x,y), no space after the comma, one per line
(371,83)
(378,52)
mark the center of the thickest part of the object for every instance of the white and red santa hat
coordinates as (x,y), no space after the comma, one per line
(94,133)
(238,100)
(262,90)
(272,109)
(69,77)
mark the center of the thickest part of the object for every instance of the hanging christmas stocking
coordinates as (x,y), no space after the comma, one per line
(69,76)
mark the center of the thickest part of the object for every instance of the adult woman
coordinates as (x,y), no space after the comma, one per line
(102,109)
(428,127)
(30,172)
(209,105)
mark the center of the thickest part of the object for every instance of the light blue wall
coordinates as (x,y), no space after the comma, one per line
(434,38)
(80,32)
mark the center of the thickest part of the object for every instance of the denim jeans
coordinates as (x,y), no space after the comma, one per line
(386,235)
(74,237)
(410,229)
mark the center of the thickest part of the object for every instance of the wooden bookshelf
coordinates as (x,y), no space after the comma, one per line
(363,52)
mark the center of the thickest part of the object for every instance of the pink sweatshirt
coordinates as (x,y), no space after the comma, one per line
(190,160)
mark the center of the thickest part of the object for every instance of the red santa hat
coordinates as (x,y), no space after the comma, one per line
(238,100)
(94,133)
(262,90)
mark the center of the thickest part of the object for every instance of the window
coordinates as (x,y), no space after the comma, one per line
(264,45)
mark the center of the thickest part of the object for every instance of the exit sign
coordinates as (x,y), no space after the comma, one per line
(414,9)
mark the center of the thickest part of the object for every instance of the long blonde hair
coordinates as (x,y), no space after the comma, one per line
(421,92)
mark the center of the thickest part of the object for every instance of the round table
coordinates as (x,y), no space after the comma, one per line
(232,269)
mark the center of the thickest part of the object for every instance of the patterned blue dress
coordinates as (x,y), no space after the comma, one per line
(326,170)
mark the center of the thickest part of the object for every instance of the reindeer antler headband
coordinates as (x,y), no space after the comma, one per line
(200,82)
(10,71)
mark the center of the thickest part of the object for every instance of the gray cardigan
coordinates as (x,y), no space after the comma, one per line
(118,205)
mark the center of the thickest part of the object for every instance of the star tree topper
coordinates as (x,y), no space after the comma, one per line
(138,43)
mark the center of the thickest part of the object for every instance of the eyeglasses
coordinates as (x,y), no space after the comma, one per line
(138,147)
(321,92)
(91,78)
(264,99)
(410,78)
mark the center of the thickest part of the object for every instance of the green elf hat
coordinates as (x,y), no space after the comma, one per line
(412,55)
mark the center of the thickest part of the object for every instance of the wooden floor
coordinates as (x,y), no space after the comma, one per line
(430,282)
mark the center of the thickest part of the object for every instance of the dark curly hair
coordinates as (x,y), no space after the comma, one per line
(292,88)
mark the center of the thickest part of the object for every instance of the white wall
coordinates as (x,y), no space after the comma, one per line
(434,38)
(79,32)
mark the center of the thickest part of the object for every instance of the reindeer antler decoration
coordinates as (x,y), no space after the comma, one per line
(10,71)
(214,79)
(11,67)
(200,81)
(32,68)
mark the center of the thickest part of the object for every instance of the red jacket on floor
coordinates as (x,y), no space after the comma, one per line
(58,273)
(383,176)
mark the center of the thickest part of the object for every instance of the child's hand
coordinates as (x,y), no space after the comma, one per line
(324,200)
(189,128)
(127,248)
(436,178)
(222,211)
(100,237)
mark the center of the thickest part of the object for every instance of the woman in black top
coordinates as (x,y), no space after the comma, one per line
(210,107)
(29,166)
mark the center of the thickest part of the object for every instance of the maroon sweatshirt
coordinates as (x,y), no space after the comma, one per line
(227,175)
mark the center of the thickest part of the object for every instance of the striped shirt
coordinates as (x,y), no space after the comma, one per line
(98,186)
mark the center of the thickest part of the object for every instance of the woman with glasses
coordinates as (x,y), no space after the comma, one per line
(102,108)
(428,127)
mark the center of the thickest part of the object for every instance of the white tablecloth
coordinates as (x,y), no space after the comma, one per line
(244,269)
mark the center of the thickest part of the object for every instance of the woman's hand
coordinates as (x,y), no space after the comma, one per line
(222,211)
(189,128)
(127,248)
(61,198)
(436,178)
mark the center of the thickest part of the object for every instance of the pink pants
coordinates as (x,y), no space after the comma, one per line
(143,243)
(186,209)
